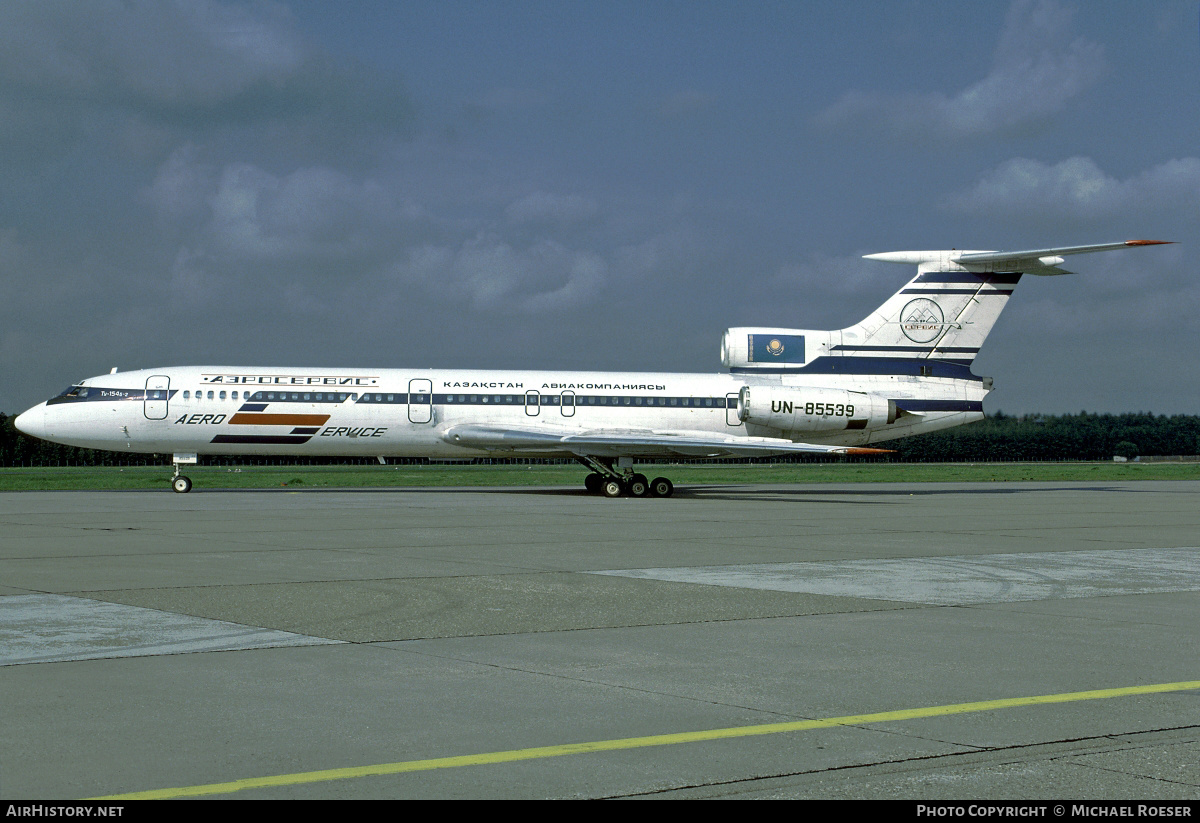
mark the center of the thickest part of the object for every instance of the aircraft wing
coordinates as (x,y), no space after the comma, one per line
(633,442)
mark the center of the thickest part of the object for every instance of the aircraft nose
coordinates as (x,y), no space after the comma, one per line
(32,422)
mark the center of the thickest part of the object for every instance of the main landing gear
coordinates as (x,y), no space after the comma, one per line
(622,480)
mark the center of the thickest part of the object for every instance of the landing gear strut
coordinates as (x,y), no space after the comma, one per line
(615,481)
(181,484)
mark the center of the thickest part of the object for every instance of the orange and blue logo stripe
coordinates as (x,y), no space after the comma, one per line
(303,426)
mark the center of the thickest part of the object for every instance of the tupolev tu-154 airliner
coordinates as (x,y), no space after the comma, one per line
(904,370)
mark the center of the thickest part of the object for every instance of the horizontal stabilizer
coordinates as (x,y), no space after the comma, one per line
(1031,261)
(1034,259)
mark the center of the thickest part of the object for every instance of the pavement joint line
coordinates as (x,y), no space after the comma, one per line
(620,744)
(973,752)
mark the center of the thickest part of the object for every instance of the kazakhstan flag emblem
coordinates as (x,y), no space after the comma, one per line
(775,348)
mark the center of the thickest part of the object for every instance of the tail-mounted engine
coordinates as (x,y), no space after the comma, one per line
(774,350)
(813,410)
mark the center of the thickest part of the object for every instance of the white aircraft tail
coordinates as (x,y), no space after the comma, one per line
(941,316)
(944,313)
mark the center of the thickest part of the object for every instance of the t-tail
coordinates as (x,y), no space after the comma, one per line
(936,323)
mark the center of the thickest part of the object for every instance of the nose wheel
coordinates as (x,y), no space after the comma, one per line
(181,484)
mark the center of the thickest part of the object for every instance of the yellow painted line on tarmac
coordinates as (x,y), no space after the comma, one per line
(541,752)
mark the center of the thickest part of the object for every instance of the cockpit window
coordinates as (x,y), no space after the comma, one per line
(74,391)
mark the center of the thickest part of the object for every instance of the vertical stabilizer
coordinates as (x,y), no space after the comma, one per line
(944,313)
(947,310)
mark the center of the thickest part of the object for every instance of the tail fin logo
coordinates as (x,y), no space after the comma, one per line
(775,347)
(922,320)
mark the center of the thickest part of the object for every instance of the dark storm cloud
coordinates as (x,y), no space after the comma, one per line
(464,185)
(170,61)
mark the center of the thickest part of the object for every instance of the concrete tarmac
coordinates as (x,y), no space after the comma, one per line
(792,641)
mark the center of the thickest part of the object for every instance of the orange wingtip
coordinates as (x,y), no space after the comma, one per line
(869,451)
(1149,242)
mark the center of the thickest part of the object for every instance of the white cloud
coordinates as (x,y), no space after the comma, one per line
(1036,70)
(182,186)
(1076,189)
(315,223)
(243,213)
(490,274)
(674,252)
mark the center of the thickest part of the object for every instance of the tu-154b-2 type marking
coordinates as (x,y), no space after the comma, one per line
(904,370)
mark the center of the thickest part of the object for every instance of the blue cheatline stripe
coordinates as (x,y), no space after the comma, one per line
(492,398)
(610,401)
(942,349)
(1006,278)
(912,405)
(979,292)
(327,398)
(518,400)
(262,439)
(880,366)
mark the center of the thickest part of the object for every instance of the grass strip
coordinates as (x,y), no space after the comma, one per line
(682,474)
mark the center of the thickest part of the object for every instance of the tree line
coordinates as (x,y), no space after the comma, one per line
(1000,437)
(1083,436)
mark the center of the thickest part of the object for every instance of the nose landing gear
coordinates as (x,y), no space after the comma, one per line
(181,484)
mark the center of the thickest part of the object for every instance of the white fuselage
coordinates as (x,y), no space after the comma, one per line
(407,413)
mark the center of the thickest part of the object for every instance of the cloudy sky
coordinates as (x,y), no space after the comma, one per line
(600,185)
